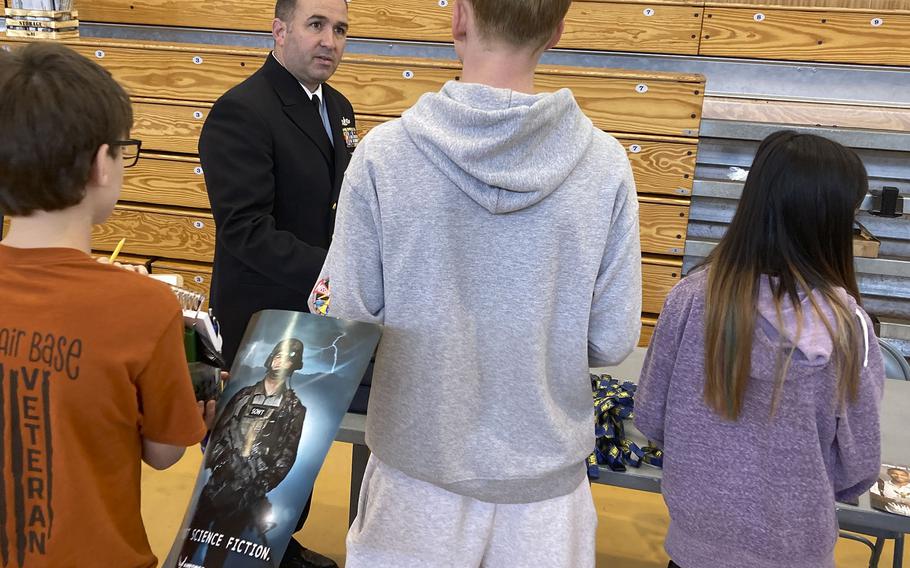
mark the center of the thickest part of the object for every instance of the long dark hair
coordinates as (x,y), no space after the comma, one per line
(794,223)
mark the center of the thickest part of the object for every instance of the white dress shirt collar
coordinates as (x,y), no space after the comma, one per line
(317,92)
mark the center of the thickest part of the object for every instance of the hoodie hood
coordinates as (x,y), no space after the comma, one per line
(497,145)
(814,343)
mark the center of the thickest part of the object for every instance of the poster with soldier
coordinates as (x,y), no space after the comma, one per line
(292,381)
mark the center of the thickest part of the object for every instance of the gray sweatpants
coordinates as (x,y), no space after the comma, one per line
(406,523)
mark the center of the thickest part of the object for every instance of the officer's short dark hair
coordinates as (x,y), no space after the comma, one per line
(56,109)
(284,9)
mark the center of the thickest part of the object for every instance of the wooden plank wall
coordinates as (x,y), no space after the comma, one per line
(808,113)
(848,4)
(164,208)
(670,26)
(846,31)
(174,86)
(823,35)
(661,27)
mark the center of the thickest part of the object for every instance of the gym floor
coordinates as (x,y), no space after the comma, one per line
(630,532)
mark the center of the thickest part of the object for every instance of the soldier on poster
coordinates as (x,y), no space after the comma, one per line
(252,449)
(290,386)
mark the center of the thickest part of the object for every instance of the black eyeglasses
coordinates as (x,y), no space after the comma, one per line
(131,149)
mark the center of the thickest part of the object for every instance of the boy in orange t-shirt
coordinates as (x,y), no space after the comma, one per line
(93,375)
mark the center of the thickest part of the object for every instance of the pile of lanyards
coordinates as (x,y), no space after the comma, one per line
(613,403)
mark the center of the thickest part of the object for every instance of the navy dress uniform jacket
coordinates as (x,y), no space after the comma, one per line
(273,181)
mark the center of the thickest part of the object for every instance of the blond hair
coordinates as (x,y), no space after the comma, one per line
(522,23)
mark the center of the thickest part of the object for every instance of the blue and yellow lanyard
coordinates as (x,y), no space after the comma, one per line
(613,403)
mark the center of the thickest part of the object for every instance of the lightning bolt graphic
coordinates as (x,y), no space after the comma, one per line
(334,346)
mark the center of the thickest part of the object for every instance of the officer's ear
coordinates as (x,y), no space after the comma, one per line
(279,32)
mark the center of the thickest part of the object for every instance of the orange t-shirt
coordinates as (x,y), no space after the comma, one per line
(91,362)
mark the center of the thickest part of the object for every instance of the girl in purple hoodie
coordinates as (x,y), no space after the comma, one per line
(764,378)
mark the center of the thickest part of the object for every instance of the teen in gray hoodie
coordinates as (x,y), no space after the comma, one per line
(495,235)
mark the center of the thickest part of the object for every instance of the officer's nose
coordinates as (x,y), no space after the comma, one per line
(328,38)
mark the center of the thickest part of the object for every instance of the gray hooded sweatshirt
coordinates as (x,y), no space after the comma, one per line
(495,235)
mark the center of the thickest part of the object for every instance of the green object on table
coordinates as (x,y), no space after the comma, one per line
(189,345)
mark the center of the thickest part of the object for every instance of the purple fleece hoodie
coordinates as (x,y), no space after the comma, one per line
(758,492)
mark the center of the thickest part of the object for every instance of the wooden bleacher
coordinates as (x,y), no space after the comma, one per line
(666,26)
(840,31)
(894,5)
(164,210)
(809,113)
(663,26)
(196,276)
(174,85)
(168,126)
(824,34)
(162,179)
(158,232)
(801,30)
